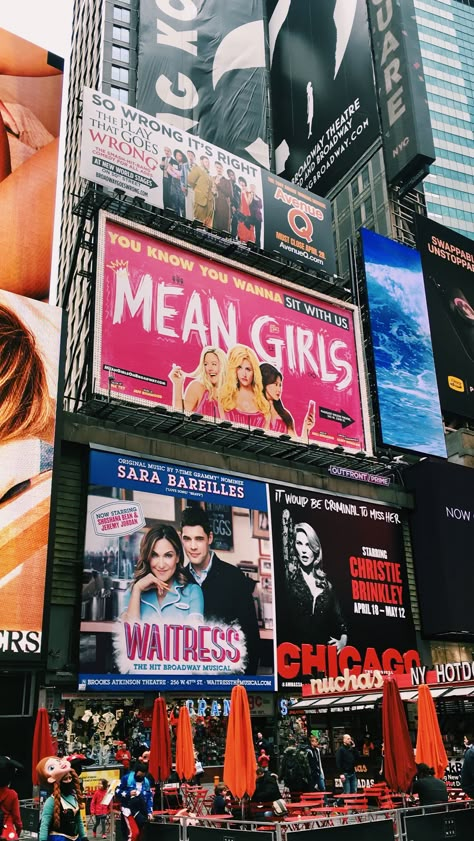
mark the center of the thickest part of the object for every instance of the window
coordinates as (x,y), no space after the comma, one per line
(120,74)
(365,177)
(119,93)
(121,14)
(121,34)
(357,217)
(120,54)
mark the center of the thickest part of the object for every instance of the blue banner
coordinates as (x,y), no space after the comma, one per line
(122,683)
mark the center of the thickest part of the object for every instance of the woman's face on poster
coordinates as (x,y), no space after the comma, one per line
(163,560)
(211,366)
(306,556)
(273,390)
(245,374)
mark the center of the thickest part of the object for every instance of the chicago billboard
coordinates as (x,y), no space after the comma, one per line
(448,268)
(442,526)
(29,365)
(161,608)
(202,67)
(406,125)
(30,102)
(407,392)
(188,331)
(341,590)
(168,168)
(321,70)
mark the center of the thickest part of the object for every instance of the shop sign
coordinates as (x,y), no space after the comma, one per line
(358,475)
(443,673)
(259,705)
(366,681)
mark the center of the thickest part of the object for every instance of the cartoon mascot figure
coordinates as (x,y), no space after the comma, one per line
(61,819)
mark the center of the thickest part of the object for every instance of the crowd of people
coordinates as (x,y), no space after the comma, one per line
(218,199)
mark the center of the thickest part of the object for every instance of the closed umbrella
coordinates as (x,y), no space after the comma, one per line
(185,762)
(429,743)
(42,741)
(239,759)
(399,763)
(159,763)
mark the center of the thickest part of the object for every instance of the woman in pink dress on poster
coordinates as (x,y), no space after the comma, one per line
(201,395)
(242,397)
(281,420)
(245,228)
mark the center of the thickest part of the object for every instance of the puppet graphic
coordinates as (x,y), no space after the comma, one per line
(61,819)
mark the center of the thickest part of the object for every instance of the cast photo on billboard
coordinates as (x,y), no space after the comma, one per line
(155,613)
(29,363)
(30,102)
(183,330)
(407,389)
(168,168)
(341,590)
(202,67)
(321,69)
(447,258)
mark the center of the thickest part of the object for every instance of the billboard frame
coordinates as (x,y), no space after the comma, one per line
(96,319)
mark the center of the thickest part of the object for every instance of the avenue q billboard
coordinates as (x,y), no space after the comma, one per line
(168,168)
(406,125)
(185,330)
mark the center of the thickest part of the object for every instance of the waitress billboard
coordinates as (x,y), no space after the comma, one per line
(181,329)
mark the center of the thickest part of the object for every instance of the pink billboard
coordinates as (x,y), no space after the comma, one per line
(189,331)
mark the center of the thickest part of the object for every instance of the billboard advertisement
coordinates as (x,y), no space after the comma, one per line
(321,69)
(448,268)
(29,364)
(202,67)
(442,528)
(409,407)
(341,591)
(168,168)
(30,102)
(181,329)
(160,607)
(406,125)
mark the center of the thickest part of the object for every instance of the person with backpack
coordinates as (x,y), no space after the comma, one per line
(318,782)
(467,772)
(295,771)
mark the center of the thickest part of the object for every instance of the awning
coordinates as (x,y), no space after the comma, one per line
(368,700)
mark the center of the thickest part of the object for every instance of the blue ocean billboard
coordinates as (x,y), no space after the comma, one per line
(408,399)
(178,578)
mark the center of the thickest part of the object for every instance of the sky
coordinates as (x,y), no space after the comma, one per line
(45,22)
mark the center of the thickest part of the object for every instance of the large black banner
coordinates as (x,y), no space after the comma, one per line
(447,259)
(341,590)
(324,110)
(442,527)
(202,67)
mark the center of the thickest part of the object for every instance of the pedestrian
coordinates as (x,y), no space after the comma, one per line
(10,818)
(99,809)
(136,797)
(467,772)
(429,789)
(295,771)
(263,759)
(347,758)
(318,783)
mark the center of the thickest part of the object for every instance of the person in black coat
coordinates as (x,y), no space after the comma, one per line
(227,591)
(467,772)
(266,788)
(347,758)
(429,789)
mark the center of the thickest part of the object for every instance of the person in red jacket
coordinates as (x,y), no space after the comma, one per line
(99,809)
(9,805)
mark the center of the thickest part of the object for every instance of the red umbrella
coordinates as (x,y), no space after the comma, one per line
(399,763)
(159,763)
(42,741)
(429,742)
(239,759)
(185,762)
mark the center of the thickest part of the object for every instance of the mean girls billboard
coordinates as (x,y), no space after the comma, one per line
(341,591)
(178,329)
(178,578)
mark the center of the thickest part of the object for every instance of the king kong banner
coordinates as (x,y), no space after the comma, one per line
(321,69)
(183,330)
(202,67)
(447,259)
(126,149)
(160,607)
(341,591)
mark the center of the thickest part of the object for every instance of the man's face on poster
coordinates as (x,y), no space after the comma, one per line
(196,544)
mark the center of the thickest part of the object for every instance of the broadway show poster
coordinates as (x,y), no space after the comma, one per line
(447,259)
(341,591)
(127,149)
(202,67)
(161,609)
(30,333)
(179,329)
(30,104)
(407,391)
(321,69)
